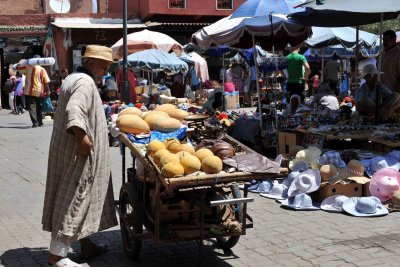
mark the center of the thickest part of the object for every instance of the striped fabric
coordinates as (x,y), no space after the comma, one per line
(36,78)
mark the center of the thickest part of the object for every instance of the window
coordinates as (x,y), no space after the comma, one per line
(224,4)
(177,3)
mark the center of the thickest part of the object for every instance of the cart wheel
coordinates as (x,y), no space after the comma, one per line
(132,212)
(230,242)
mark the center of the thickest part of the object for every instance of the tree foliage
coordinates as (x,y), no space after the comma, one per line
(393,24)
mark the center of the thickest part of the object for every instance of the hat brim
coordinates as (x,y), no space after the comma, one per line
(288,203)
(359,180)
(326,204)
(293,190)
(349,206)
(270,196)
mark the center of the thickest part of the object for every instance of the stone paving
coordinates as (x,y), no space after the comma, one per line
(279,238)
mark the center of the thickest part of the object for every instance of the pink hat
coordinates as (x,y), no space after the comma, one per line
(384,183)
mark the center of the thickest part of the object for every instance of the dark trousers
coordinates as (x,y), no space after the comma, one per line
(34,105)
(295,89)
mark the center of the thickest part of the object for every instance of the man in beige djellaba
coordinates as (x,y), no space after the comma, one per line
(79,198)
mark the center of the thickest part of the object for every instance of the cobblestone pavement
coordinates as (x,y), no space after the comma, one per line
(279,238)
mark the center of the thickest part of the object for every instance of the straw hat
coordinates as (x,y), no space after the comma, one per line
(301,201)
(306,182)
(364,207)
(354,168)
(334,203)
(330,174)
(98,52)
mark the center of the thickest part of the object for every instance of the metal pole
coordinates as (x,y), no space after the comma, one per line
(378,87)
(125,82)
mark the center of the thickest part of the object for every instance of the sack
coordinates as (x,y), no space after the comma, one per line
(47,106)
(9,86)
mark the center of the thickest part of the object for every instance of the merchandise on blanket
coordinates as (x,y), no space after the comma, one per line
(306,182)
(364,207)
(334,203)
(301,201)
(380,162)
(384,183)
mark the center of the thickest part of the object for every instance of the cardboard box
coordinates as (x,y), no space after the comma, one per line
(365,188)
(350,190)
(285,140)
(231,100)
(139,90)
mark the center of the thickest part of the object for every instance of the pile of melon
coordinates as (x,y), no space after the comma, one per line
(176,159)
(165,118)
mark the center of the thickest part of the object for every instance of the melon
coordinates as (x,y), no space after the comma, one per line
(166,125)
(132,124)
(181,154)
(190,164)
(177,114)
(188,148)
(153,112)
(174,147)
(159,154)
(172,169)
(211,164)
(169,158)
(165,107)
(170,140)
(154,146)
(152,119)
(132,111)
(203,153)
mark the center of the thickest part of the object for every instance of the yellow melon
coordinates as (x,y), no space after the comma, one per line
(174,147)
(152,119)
(170,140)
(169,158)
(165,107)
(153,112)
(177,114)
(166,125)
(190,164)
(172,169)
(154,146)
(188,148)
(132,124)
(131,110)
(211,164)
(202,153)
(181,154)
(159,154)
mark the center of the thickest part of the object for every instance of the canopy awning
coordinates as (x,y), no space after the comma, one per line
(94,23)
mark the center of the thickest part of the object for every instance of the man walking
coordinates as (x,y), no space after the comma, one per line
(298,72)
(391,62)
(36,87)
(79,197)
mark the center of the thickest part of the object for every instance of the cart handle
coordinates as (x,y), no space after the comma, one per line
(231,201)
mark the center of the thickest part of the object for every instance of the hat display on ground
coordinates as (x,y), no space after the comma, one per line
(290,178)
(330,174)
(384,183)
(306,182)
(364,207)
(300,202)
(354,168)
(334,203)
(309,155)
(379,162)
(262,187)
(299,166)
(333,158)
(278,191)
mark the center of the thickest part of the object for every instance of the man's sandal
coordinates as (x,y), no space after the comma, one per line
(65,262)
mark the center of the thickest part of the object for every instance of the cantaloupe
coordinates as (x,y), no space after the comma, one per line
(166,125)
(172,169)
(154,146)
(170,140)
(202,153)
(190,164)
(211,164)
(169,158)
(174,147)
(181,154)
(154,112)
(177,114)
(159,154)
(132,124)
(132,111)
(188,148)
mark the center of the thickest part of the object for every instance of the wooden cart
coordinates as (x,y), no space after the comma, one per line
(140,203)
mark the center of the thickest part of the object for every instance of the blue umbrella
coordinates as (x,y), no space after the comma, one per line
(258,8)
(156,60)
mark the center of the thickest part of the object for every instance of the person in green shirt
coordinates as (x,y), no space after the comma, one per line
(298,72)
